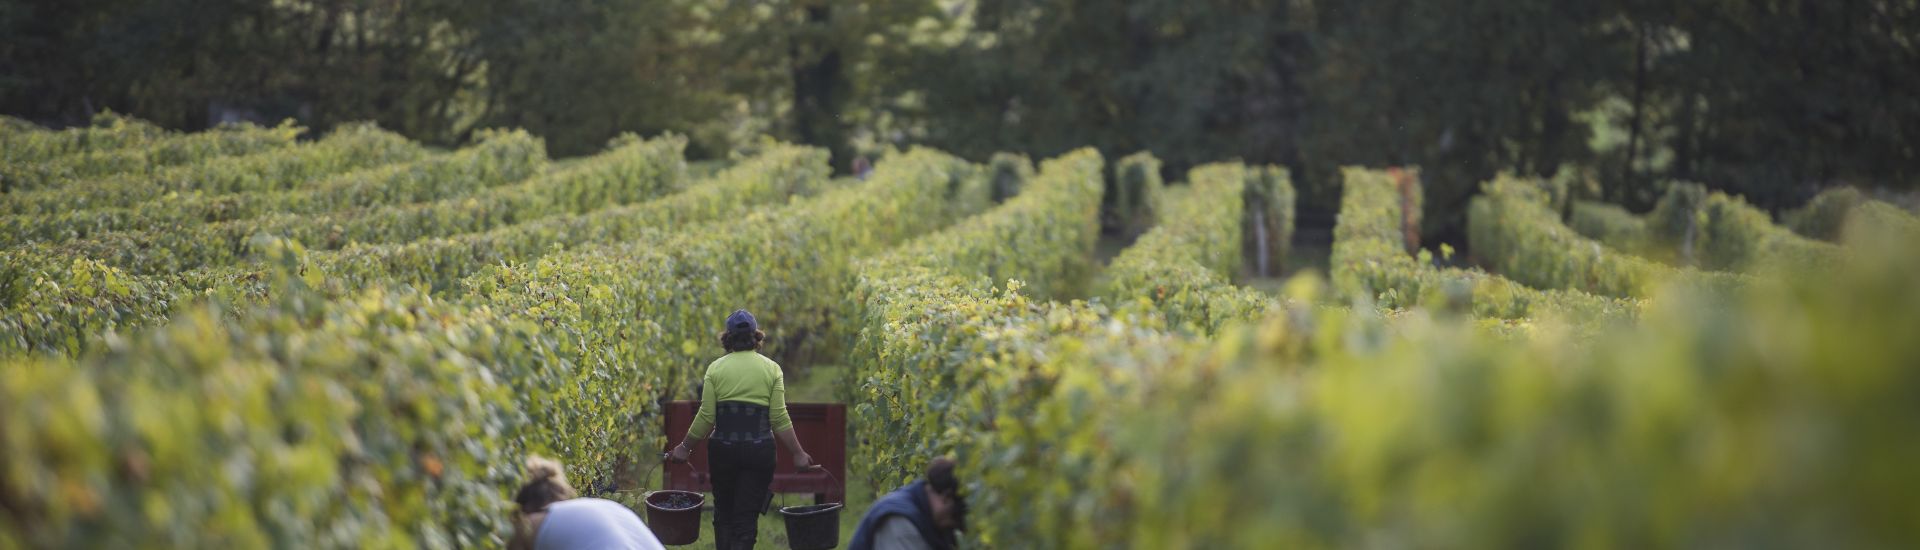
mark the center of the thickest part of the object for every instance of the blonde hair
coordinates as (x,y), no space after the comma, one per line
(546,484)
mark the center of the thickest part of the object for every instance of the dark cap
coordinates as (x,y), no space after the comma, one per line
(742,321)
(941,478)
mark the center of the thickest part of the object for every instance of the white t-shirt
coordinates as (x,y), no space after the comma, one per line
(593,523)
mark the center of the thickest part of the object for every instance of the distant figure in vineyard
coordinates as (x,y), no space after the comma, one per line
(923,515)
(861,167)
(743,406)
(550,517)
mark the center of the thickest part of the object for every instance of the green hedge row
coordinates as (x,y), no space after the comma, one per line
(770,178)
(1326,429)
(1692,427)
(1739,237)
(1514,232)
(632,172)
(1875,219)
(1714,230)
(148,157)
(348,148)
(390,419)
(10,125)
(386,420)
(1183,268)
(1269,199)
(1826,215)
(23,144)
(1619,229)
(62,309)
(1370,262)
(1830,215)
(32,157)
(645,314)
(1129,203)
(375,418)
(926,307)
(1011,244)
(166,235)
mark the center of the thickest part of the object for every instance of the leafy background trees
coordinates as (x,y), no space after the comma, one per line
(1771,99)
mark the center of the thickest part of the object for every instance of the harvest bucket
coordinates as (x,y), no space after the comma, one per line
(674,516)
(813,527)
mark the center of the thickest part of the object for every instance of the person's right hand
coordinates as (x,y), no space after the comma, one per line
(804,462)
(680,453)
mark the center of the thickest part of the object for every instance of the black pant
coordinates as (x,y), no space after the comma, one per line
(742,480)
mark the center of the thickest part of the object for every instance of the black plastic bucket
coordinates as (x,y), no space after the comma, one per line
(812,527)
(671,520)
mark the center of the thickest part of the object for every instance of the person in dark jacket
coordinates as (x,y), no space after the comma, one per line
(922,515)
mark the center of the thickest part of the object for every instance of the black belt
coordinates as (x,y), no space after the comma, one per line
(741,421)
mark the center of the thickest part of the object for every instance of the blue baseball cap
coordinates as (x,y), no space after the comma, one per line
(742,321)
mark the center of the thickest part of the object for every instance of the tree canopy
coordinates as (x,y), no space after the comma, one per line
(1771,99)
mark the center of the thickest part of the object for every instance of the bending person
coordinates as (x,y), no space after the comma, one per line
(550,517)
(743,404)
(922,515)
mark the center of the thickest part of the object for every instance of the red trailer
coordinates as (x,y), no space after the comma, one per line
(822,428)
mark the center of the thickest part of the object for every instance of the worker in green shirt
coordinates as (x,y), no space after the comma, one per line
(743,406)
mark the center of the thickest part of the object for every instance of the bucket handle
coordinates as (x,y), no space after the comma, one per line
(815,468)
(664,458)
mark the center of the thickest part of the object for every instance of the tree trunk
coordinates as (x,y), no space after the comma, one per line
(816,101)
(1684,146)
(1629,172)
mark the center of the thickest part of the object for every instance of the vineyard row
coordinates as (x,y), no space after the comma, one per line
(32,158)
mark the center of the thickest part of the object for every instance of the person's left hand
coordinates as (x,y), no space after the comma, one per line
(680,453)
